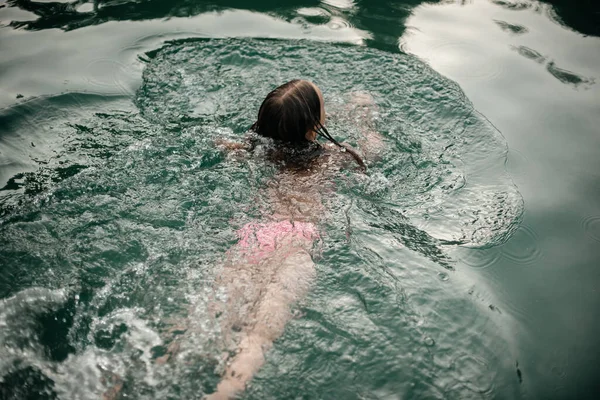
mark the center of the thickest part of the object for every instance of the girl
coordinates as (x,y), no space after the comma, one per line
(271,266)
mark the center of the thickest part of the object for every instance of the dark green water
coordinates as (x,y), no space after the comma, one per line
(470,267)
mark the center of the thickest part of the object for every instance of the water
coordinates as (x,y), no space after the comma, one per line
(462,266)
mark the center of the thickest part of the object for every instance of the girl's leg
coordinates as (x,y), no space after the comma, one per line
(291,280)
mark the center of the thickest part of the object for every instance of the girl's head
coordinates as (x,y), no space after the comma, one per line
(295,113)
(292,113)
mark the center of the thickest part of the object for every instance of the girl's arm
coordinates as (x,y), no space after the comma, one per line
(231,145)
(363,111)
(236,146)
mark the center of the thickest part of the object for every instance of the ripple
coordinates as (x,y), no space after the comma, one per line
(314,15)
(591,226)
(472,373)
(301,21)
(480,258)
(337,23)
(516,162)
(559,371)
(107,73)
(523,248)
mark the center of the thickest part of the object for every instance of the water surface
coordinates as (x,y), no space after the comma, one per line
(462,266)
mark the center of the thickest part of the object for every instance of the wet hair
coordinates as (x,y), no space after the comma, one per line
(290,111)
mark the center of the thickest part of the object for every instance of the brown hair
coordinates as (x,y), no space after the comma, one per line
(290,111)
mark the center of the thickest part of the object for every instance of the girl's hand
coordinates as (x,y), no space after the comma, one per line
(364,111)
(230,145)
(362,99)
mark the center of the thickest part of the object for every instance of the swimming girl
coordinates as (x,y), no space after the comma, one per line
(271,266)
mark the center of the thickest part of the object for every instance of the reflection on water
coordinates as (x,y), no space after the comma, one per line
(543,96)
(567,77)
(384,18)
(512,28)
(530,53)
(581,15)
(450,54)
(133,26)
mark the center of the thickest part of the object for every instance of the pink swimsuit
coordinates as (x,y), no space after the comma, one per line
(259,239)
